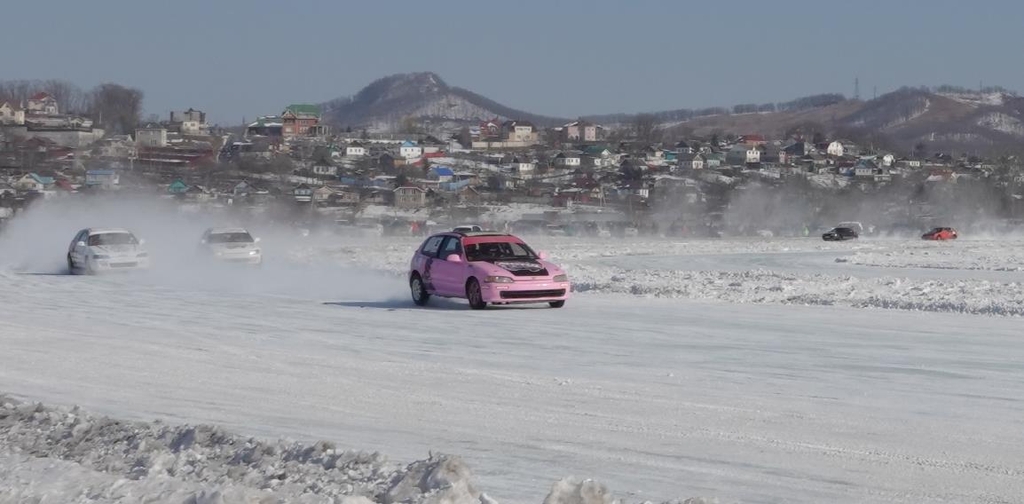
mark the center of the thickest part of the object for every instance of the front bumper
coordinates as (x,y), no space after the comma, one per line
(525,292)
(119,264)
(239,258)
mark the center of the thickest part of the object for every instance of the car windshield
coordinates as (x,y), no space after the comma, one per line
(229,238)
(496,251)
(112,239)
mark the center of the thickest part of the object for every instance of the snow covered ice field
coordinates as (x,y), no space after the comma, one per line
(768,370)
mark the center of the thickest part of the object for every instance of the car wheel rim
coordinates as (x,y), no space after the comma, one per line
(474,293)
(417,289)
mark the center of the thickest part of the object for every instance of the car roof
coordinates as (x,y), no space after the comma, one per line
(93,231)
(477,234)
(227,230)
(480,233)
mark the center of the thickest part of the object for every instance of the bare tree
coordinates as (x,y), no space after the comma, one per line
(645,128)
(409,126)
(70,98)
(465,137)
(18,91)
(116,107)
(920,150)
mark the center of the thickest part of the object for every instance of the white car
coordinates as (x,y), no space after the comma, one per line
(233,245)
(96,250)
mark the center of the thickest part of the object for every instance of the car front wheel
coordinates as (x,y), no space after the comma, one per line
(420,296)
(71,265)
(474,295)
(556,304)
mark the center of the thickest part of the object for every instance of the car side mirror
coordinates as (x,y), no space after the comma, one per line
(542,255)
(80,244)
(203,241)
(455,258)
(256,240)
(142,241)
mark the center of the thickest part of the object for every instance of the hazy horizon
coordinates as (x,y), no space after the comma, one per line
(567,59)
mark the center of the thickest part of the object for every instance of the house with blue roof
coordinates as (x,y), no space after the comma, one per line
(34,182)
(441,174)
(106,179)
(410,149)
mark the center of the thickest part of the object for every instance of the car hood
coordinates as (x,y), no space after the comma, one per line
(116,250)
(518,267)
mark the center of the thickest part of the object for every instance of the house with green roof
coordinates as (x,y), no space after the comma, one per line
(178,187)
(597,151)
(300,119)
(271,126)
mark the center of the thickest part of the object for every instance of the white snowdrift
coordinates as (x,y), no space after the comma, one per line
(966,255)
(66,455)
(974,297)
(207,464)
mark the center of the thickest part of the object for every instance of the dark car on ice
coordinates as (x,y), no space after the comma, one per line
(840,234)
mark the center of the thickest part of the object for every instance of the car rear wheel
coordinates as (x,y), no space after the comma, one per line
(474,295)
(420,296)
(556,304)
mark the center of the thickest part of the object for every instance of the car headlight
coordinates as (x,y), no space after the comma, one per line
(254,252)
(561,278)
(498,279)
(100,256)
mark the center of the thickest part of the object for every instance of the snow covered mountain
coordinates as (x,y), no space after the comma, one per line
(943,119)
(948,120)
(385,103)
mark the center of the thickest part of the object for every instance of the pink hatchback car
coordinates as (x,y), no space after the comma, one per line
(485,267)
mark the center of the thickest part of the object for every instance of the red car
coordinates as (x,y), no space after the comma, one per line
(940,233)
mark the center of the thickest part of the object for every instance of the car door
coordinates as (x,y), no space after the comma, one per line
(426,259)
(77,251)
(449,277)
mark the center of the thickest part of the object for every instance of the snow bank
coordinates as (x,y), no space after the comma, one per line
(52,454)
(202,463)
(761,286)
(982,255)
(569,491)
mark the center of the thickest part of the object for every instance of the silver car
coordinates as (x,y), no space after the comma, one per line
(234,245)
(96,250)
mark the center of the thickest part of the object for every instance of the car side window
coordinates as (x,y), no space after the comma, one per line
(431,246)
(452,245)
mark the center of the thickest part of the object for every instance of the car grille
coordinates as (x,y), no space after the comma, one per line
(534,294)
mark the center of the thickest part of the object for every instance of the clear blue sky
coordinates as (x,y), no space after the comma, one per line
(564,58)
